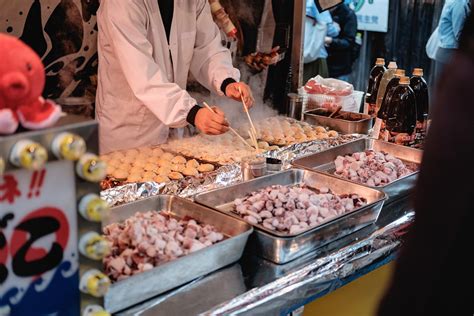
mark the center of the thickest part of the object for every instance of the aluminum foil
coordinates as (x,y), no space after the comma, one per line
(322,275)
(289,153)
(187,187)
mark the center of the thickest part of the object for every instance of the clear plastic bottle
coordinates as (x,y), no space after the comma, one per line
(419,86)
(387,76)
(401,121)
(374,81)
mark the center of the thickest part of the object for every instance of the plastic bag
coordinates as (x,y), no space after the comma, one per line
(328,93)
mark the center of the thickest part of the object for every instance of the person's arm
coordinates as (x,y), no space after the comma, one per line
(347,36)
(125,22)
(459,13)
(333,29)
(211,64)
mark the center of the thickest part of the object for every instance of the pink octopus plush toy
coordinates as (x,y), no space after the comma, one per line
(22,79)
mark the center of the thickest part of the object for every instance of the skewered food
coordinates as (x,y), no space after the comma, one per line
(372,168)
(149,239)
(294,209)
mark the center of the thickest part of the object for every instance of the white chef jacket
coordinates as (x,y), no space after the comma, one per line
(142,79)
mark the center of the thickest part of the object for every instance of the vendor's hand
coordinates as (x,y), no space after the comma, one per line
(232,91)
(327,40)
(211,123)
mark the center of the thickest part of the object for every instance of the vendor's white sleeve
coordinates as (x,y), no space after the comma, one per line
(126,22)
(212,62)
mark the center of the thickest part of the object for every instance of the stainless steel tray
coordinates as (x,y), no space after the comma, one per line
(324,161)
(360,126)
(143,286)
(284,248)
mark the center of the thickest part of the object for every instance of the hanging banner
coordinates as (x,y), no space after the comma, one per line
(372,15)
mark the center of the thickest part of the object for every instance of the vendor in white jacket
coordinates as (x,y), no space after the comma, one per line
(146,50)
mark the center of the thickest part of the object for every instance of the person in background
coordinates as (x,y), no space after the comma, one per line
(326,27)
(146,51)
(449,28)
(340,47)
(434,273)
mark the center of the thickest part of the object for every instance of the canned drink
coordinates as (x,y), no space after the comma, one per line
(91,168)
(93,246)
(29,155)
(95,283)
(253,167)
(68,146)
(95,310)
(92,207)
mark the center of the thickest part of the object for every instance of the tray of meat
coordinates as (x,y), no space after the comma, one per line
(296,211)
(343,122)
(163,242)
(374,163)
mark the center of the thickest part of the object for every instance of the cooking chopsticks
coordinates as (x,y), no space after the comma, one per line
(253,131)
(230,128)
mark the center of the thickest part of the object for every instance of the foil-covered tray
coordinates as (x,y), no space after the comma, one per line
(221,177)
(324,162)
(184,269)
(345,122)
(186,187)
(289,153)
(282,248)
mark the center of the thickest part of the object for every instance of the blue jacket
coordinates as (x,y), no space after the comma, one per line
(324,17)
(451,22)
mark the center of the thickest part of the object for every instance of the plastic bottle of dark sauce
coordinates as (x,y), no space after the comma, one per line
(374,81)
(384,108)
(401,121)
(420,88)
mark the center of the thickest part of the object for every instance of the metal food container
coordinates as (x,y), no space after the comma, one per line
(324,161)
(184,269)
(280,247)
(361,123)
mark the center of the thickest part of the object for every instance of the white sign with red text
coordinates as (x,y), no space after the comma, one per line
(38,238)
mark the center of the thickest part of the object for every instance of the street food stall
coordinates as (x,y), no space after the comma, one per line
(266,218)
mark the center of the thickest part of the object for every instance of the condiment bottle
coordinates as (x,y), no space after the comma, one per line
(380,130)
(387,76)
(374,81)
(419,86)
(401,121)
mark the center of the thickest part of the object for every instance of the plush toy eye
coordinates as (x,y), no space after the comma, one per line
(29,67)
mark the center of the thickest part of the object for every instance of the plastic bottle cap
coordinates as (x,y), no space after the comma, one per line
(404,80)
(418,72)
(380,62)
(392,65)
(400,72)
